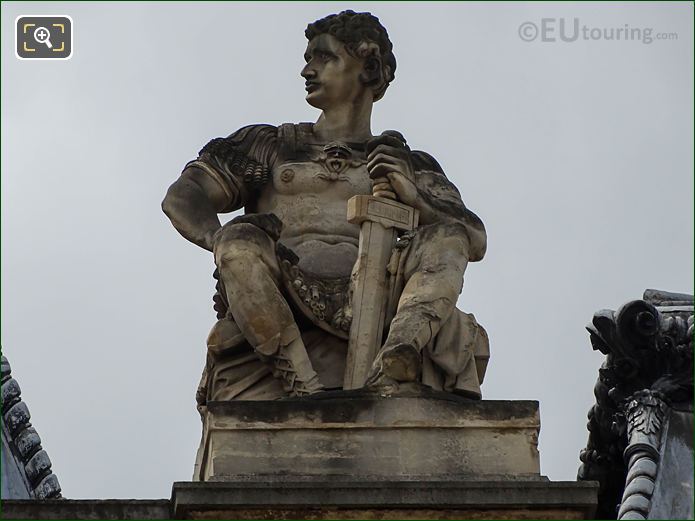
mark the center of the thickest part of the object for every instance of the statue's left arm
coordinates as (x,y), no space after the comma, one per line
(439,201)
(417,180)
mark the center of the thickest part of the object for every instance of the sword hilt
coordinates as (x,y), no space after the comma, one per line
(388,213)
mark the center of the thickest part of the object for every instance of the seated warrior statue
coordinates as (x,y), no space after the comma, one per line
(284,267)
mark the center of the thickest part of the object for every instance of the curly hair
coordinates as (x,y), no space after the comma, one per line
(355,30)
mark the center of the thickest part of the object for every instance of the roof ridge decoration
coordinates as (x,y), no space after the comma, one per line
(26,467)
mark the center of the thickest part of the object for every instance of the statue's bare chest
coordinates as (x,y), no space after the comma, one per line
(334,171)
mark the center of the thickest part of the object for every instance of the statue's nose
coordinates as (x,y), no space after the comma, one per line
(308,72)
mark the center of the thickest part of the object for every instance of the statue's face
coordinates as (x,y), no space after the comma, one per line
(332,75)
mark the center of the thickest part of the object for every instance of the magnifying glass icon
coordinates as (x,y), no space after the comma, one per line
(43,35)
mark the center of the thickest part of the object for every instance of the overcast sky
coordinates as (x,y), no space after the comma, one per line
(577,156)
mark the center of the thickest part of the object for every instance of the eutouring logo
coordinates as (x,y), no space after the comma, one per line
(568,30)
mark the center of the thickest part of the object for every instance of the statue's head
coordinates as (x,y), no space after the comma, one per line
(348,54)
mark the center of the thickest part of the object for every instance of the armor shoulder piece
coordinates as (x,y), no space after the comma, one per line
(247,155)
(424,161)
(287,139)
(292,139)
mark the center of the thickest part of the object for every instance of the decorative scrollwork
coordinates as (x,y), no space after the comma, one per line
(645,412)
(649,365)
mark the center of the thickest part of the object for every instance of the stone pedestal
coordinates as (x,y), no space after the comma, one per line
(356,455)
(360,434)
(388,499)
(359,455)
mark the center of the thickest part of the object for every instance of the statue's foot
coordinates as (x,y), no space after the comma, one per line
(301,388)
(382,384)
(399,363)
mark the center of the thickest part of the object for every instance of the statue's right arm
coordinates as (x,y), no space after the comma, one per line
(227,174)
(192,204)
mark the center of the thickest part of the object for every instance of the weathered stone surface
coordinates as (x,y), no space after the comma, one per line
(87,509)
(13,477)
(332,500)
(363,434)
(387,513)
(673,488)
(387,499)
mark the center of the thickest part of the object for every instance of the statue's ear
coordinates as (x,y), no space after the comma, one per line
(371,75)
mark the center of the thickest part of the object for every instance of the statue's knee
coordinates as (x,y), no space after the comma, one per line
(439,248)
(455,248)
(233,231)
(241,245)
(447,237)
(237,256)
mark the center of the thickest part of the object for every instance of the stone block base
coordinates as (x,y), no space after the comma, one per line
(86,509)
(360,434)
(530,499)
(419,454)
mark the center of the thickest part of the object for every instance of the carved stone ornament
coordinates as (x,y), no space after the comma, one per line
(26,468)
(648,372)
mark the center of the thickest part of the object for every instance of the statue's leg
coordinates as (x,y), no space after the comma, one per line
(433,271)
(250,274)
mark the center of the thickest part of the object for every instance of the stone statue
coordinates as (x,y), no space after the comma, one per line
(289,282)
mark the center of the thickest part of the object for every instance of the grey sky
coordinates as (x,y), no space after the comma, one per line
(577,156)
